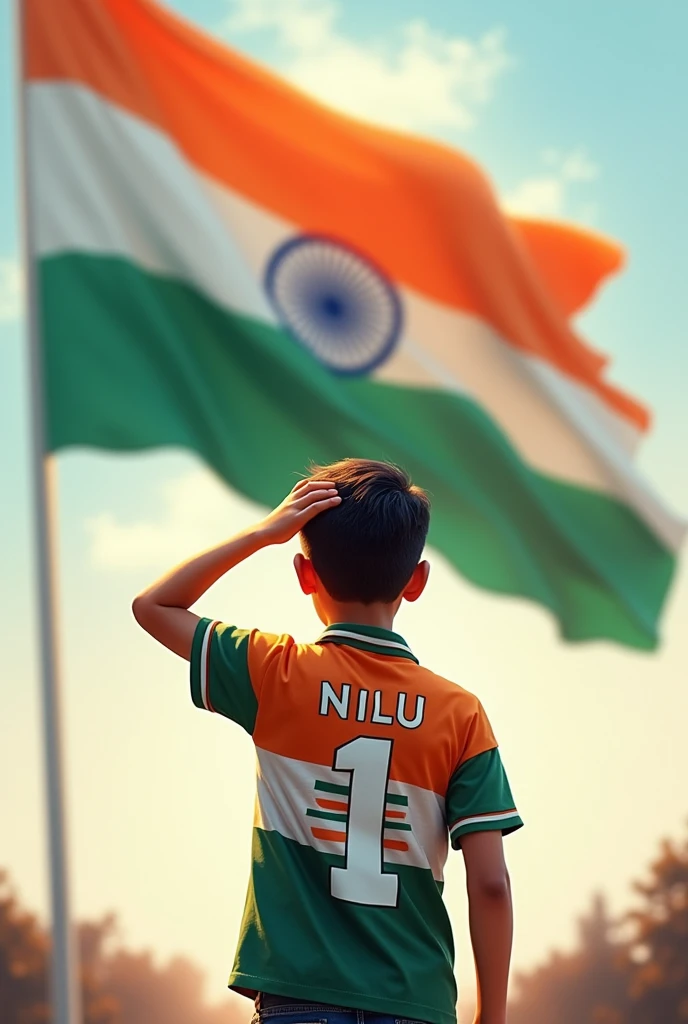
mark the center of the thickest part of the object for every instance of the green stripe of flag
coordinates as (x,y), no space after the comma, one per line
(134,360)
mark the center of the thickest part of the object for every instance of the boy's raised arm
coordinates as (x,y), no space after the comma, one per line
(163,608)
(491,921)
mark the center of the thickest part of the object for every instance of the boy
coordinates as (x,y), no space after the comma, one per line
(367,765)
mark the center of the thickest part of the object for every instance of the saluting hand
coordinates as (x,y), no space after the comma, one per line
(303,503)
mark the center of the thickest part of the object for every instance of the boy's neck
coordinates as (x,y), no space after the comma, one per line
(379,615)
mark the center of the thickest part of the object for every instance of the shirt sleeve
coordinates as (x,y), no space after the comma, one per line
(221,679)
(479,797)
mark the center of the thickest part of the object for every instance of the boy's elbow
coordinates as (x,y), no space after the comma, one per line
(140,607)
(494,886)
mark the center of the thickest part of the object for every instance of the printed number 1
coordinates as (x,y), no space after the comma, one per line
(363,880)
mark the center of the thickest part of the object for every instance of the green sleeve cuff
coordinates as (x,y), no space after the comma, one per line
(479,798)
(219,674)
(505,822)
(198,663)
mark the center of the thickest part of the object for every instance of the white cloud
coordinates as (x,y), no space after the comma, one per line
(573,166)
(197,510)
(11,290)
(550,193)
(418,78)
(542,196)
(300,24)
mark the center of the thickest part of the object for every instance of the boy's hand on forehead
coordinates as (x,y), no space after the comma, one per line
(305,501)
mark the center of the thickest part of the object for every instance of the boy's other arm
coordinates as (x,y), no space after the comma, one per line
(491,921)
(163,608)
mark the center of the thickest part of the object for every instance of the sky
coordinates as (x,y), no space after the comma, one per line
(575,112)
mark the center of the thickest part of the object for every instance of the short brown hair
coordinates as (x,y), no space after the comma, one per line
(366,547)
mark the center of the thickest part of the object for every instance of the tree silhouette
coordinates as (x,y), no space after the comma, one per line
(117,985)
(657,956)
(23,959)
(632,971)
(583,987)
(170,994)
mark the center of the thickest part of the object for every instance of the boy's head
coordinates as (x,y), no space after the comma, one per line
(366,550)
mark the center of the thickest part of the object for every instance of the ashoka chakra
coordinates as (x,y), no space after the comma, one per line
(335,302)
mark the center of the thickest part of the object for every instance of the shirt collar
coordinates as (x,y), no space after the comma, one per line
(367,638)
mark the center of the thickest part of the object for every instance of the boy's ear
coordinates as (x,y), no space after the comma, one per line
(305,573)
(416,585)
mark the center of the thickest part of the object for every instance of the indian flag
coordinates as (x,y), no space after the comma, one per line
(227,265)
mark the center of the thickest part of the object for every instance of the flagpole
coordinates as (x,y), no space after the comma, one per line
(65,994)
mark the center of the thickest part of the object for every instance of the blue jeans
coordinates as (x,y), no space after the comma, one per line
(292,1011)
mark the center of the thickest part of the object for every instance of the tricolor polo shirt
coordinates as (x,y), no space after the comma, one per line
(368,766)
